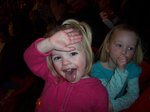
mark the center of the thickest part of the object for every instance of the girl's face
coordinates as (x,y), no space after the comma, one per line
(123,44)
(70,65)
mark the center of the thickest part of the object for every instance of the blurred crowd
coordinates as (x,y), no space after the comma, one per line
(36,17)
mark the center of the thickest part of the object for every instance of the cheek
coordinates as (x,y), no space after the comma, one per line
(111,49)
(82,63)
(130,55)
(57,67)
(114,51)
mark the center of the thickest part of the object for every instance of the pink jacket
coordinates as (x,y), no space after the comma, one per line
(88,95)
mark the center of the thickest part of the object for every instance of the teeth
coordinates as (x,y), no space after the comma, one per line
(68,70)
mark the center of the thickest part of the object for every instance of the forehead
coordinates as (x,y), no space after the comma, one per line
(125,36)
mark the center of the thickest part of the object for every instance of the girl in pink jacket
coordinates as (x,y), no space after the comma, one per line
(64,61)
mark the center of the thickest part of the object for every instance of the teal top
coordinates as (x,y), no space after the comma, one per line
(122,87)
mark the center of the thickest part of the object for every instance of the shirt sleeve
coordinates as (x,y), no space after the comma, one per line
(116,83)
(130,96)
(36,60)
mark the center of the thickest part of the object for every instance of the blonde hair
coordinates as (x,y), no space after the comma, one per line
(85,31)
(138,55)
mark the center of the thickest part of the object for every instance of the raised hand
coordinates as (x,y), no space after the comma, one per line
(122,62)
(62,39)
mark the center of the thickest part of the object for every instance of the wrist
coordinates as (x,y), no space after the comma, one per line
(44,46)
(124,71)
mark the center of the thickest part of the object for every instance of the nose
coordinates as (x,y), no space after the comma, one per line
(124,51)
(66,61)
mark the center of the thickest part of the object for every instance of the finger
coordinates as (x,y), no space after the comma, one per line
(73,41)
(68,30)
(69,49)
(77,37)
(73,33)
(76,33)
(70,34)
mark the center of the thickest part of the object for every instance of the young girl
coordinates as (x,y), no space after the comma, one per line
(64,60)
(118,67)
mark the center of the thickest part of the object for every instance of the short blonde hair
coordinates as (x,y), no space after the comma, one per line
(138,55)
(85,31)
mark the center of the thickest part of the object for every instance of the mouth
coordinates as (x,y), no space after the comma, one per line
(70,74)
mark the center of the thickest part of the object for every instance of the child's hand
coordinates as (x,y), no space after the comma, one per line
(62,39)
(122,62)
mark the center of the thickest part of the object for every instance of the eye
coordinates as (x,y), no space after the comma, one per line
(118,45)
(73,53)
(131,48)
(56,58)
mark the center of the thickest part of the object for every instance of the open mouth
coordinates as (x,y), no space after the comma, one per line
(70,74)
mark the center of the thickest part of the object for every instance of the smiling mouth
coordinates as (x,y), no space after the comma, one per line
(70,74)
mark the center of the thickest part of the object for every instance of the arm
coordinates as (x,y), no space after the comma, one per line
(35,56)
(131,90)
(131,95)
(119,77)
(116,83)
(113,83)
(36,60)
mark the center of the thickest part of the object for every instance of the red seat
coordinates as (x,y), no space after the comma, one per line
(144,81)
(142,104)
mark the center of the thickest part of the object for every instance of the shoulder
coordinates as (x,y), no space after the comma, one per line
(134,70)
(97,66)
(95,86)
(99,71)
(94,92)
(91,83)
(133,65)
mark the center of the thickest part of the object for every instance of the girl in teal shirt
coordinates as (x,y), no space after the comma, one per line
(118,68)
